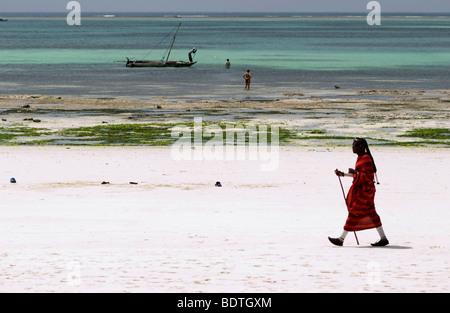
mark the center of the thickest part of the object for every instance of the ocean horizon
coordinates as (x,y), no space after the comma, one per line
(175,14)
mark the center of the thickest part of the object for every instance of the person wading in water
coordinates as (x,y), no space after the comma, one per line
(247,77)
(360,199)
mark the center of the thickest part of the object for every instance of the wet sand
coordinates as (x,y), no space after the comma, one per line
(382,116)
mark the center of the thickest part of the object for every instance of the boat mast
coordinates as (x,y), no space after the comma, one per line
(173,41)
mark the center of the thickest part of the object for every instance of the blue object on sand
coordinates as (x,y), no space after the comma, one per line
(13,180)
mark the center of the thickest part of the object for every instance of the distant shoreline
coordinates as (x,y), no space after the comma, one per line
(112,14)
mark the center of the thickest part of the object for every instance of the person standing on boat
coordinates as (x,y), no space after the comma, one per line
(248,77)
(360,199)
(227,64)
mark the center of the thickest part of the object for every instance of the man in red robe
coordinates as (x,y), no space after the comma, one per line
(360,199)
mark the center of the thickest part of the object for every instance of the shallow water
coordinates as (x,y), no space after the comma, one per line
(308,54)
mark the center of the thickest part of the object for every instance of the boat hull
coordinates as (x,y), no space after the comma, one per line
(145,63)
(167,63)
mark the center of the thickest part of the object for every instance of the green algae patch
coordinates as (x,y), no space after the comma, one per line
(428,133)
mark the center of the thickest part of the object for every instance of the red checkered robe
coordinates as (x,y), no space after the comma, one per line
(360,198)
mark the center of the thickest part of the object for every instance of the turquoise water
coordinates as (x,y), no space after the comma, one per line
(284,53)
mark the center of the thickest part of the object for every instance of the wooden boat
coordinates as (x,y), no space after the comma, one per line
(165,61)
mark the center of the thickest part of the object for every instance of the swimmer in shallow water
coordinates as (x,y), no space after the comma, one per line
(248,77)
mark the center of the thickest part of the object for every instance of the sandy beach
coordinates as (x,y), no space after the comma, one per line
(63,230)
(122,218)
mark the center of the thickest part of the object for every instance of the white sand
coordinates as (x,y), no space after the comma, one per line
(61,230)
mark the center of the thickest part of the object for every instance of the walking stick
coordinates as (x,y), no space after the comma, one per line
(345,199)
